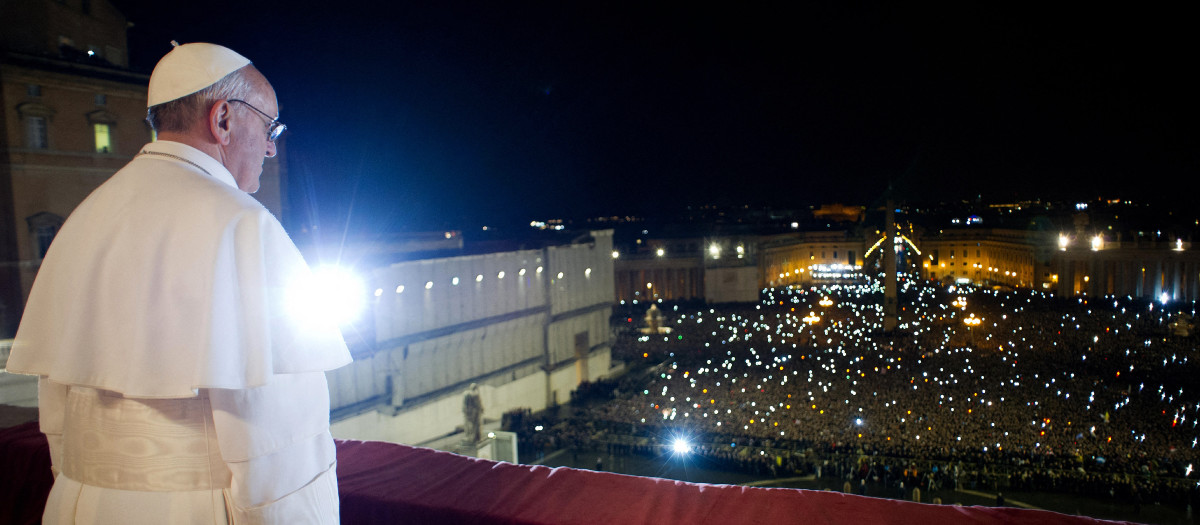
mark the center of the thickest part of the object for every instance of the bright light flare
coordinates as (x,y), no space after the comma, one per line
(681,446)
(329,293)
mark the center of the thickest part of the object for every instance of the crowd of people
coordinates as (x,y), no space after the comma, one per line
(1088,395)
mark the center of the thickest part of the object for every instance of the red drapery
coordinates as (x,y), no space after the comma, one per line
(389,483)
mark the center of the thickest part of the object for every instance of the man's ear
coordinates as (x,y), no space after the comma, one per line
(219,122)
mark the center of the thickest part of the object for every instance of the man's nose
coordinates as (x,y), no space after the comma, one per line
(271,151)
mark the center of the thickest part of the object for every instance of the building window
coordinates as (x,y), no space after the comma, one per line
(101,99)
(103,133)
(102,123)
(33,90)
(43,226)
(36,135)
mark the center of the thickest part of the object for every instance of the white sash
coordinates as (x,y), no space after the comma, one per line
(156,445)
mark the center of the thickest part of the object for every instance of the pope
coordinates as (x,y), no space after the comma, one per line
(174,386)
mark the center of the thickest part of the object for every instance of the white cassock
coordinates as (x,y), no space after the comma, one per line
(175,383)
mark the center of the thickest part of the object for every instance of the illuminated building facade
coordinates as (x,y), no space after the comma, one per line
(1163,270)
(722,269)
(1069,264)
(717,269)
(839,213)
(991,257)
(805,258)
(527,326)
(649,278)
(73,114)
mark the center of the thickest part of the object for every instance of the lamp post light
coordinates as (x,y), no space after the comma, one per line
(971,323)
(811,319)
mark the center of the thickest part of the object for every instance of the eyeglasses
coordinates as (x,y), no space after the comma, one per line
(275,128)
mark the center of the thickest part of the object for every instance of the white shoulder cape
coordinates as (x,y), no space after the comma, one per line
(167,279)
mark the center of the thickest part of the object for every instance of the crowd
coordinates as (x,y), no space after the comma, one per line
(1088,395)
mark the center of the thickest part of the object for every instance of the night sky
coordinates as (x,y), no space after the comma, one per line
(405,117)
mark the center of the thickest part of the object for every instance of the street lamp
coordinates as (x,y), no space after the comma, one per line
(971,323)
(811,319)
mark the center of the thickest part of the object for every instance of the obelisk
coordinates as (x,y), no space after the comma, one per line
(890,318)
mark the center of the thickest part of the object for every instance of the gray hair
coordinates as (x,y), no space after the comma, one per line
(181,114)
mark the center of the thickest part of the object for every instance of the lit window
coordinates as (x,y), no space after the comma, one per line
(454,281)
(479,278)
(428,284)
(103,133)
(500,275)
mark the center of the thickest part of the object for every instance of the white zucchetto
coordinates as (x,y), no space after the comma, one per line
(188,68)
